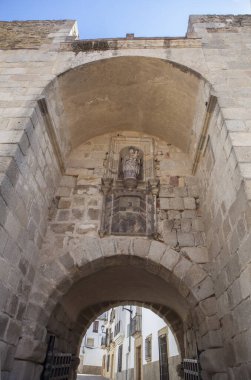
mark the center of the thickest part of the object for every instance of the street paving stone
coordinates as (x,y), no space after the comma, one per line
(90,377)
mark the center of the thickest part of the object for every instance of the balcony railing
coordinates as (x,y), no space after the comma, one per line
(136,325)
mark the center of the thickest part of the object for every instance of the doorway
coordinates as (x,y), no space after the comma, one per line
(138,363)
(163,358)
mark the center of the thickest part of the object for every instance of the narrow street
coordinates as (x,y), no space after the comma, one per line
(90,377)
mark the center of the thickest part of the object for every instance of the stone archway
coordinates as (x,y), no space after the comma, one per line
(172,319)
(75,258)
(34,153)
(160,277)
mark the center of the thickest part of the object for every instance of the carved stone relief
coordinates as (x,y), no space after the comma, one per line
(120,145)
(129,188)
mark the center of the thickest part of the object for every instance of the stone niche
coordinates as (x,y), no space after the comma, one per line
(129,188)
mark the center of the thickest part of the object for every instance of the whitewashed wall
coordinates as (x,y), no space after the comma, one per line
(151,324)
(92,356)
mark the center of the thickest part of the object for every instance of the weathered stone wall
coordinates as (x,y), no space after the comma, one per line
(92,370)
(76,211)
(33,34)
(151,370)
(173,364)
(29,178)
(227,220)
(78,200)
(217,47)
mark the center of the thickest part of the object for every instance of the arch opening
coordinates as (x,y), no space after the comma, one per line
(122,270)
(78,265)
(121,279)
(112,341)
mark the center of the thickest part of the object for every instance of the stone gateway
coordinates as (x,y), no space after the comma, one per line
(125,178)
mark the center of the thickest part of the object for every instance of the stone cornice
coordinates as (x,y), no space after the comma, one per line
(130,43)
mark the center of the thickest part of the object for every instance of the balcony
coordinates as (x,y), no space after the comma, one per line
(136,325)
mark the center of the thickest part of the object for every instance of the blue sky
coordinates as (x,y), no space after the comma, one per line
(115,18)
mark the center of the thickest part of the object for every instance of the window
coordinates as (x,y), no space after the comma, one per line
(95,326)
(120,358)
(148,348)
(90,342)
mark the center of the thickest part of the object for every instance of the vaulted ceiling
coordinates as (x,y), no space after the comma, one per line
(148,95)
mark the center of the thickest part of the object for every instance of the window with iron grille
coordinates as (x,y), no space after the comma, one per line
(90,342)
(120,348)
(148,348)
(95,326)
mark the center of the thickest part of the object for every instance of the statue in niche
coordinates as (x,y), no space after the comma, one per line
(131,166)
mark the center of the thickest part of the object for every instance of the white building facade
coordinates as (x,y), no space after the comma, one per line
(138,346)
(91,353)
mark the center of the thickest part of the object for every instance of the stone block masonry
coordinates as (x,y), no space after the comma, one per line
(50,212)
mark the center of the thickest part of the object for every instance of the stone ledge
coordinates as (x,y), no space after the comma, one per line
(135,43)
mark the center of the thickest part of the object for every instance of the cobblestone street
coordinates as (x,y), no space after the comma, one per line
(90,377)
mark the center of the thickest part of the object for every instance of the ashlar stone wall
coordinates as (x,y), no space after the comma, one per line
(27,186)
(78,200)
(76,213)
(226,211)
(217,48)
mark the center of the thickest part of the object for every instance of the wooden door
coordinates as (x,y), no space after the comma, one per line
(112,361)
(138,363)
(163,358)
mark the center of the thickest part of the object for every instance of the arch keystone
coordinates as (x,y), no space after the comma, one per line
(123,246)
